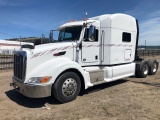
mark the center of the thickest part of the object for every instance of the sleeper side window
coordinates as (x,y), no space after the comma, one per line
(126,37)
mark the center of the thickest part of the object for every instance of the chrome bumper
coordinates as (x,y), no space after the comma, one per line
(32,91)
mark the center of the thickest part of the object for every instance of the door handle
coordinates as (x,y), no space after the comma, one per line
(80,46)
(96,57)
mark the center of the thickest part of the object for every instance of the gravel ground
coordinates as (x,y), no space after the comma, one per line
(125,99)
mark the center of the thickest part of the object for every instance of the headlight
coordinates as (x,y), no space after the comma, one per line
(39,79)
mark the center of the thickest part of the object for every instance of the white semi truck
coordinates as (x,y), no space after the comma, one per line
(87,53)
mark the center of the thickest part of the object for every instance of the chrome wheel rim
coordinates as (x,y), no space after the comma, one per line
(154,67)
(145,69)
(69,87)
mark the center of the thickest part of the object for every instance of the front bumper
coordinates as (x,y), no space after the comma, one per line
(30,90)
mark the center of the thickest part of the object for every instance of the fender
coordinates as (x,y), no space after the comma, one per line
(55,67)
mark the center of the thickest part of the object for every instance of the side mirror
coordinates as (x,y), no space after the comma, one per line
(91,34)
(51,36)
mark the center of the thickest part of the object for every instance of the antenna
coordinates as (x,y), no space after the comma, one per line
(86,14)
(86,18)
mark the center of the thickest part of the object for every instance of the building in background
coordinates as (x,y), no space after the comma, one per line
(8,47)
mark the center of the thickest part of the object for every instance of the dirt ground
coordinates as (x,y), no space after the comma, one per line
(125,99)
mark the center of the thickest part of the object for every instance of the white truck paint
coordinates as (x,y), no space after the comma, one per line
(76,61)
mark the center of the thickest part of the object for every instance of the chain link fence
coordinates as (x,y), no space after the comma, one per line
(6,62)
(148,52)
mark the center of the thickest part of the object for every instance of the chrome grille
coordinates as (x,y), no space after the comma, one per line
(20,65)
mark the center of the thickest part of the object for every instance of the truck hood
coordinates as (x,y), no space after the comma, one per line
(41,54)
(50,48)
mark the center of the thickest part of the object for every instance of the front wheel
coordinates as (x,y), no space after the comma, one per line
(67,87)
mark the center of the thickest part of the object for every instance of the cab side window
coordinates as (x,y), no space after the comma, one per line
(86,36)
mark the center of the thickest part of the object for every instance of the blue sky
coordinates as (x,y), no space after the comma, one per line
(32,18)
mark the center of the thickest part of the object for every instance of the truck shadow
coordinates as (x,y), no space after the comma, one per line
(40,102)
(29,102)
(146,83)
(102,86)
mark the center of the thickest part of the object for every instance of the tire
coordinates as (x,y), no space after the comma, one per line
(67,87)
(153,67)
(144,69)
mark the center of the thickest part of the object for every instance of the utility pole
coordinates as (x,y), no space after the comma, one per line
(145,44)
(20,41)
(42,38)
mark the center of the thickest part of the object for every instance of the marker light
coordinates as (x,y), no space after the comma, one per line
(85,19)
(72,20)
(45,79)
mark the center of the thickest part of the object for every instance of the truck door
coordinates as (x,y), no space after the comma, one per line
(90,48)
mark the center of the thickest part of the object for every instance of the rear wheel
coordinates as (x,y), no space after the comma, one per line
(67,87)
(144,68)
(153,67)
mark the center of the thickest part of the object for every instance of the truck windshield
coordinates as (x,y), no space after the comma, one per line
(70,33)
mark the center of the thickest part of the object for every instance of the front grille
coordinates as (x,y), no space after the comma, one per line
(20,65)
